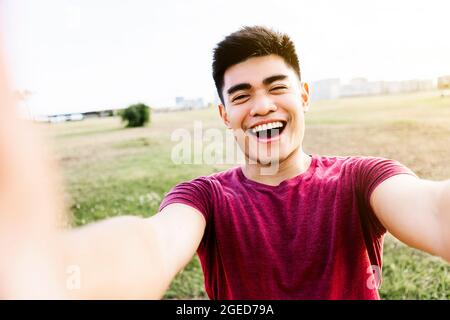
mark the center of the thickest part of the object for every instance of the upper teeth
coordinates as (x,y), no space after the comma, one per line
(267,126)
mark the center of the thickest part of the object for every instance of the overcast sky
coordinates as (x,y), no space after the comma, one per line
(76,55)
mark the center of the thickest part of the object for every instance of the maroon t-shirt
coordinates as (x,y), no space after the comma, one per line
(313,236)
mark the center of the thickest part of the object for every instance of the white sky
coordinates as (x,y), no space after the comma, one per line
(79,55)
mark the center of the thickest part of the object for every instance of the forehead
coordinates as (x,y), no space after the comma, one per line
(255,70)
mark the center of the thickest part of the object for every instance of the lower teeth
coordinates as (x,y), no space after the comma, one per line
(268,133)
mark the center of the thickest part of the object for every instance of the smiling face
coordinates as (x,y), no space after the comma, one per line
(264,106)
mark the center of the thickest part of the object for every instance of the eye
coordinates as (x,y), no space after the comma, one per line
(240,98)
(278,88)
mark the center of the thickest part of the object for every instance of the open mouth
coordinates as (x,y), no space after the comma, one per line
(268,131)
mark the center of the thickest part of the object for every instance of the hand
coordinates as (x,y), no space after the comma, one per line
(30,266)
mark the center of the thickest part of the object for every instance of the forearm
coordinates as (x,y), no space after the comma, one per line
(119,258)
(443,216)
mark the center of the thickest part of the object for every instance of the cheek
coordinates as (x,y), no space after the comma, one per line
(295,112)
(236,118)
(290,103)
(298,124)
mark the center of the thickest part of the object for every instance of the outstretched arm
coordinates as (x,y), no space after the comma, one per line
(415,211)
(124,257)
(130,257)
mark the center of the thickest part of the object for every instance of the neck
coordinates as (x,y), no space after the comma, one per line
(295,164)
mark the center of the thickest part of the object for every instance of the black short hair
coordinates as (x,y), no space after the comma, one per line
(248,42)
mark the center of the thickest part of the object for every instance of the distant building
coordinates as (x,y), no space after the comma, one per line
(325,89)
(392,87)
(75,117)
(183,103)
(98,114)
(58,118)
(356,87)
(333,88)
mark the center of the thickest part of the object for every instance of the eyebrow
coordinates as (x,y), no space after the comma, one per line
(246,86)
(274,78)
(240,86)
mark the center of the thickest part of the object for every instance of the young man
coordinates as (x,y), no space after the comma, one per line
(314,228)
(286,225)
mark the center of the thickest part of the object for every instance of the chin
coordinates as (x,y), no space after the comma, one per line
(265,160)
(268,157)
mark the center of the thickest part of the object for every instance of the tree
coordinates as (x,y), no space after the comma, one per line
(136,115)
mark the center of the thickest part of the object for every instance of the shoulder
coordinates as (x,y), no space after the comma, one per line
(333,165)
(360,169)
(356,162)
(225,175)
(201,190)
(369,165)
(219,180)
(220,177)
(353,159)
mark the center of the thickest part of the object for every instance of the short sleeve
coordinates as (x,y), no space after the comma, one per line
(195,193)
(369,173)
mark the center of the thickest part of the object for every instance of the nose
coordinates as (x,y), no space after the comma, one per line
(262,105)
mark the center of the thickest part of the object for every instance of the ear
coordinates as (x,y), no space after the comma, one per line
(224,115)
(305,95)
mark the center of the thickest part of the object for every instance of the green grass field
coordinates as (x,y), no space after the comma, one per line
(110,171)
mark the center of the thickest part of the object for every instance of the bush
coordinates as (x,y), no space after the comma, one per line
(136,115)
